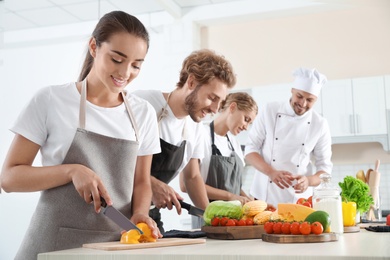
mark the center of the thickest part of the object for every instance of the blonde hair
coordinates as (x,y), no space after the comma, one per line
(243,100)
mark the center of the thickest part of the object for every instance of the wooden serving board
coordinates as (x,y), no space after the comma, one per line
(234,232)
(276,238)
(162,242)
(351,229)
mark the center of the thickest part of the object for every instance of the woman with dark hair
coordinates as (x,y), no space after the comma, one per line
(96,141)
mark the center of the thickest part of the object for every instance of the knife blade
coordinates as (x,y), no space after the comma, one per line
(192,210)
(116,216)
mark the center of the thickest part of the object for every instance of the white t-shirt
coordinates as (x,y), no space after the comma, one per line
(171,128)
(223,146)
(52,118)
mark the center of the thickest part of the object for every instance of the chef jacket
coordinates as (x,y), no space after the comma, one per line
(288,142)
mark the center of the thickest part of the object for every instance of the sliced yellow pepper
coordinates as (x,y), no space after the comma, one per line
(134,237)
(349,213)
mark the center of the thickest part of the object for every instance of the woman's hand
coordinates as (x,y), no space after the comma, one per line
(89,185)
(138,218)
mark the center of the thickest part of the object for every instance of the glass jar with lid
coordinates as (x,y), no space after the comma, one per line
(327,197)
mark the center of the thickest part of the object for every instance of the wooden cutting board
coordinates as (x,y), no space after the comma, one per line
(163,242)
(234,232)
(276,238)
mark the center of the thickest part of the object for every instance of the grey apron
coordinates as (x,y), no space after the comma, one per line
(165,165)
(62,218)
(225,172)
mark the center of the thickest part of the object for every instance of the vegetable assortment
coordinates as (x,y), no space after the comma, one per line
(355,190)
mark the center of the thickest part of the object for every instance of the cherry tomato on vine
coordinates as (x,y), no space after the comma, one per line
(286,228)
(230,222)
(223,221)
(241,222)
(305,228)
(294,228)
(215,221)
(249,222)
(317,228)
(277,228)
(269,227)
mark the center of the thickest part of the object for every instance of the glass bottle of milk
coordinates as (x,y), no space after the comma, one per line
(327,197)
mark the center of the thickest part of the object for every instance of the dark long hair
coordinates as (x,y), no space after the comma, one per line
(112,23)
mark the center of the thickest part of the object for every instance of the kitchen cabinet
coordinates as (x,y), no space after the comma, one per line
(355,107)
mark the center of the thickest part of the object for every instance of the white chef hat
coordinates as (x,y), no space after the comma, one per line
(309,80)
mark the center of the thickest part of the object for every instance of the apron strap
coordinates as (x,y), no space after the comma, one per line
(83,102)
(214,149)
(164,112)
(230,143)
(131,115)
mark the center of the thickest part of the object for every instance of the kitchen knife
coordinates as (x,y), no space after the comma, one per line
(191,209)
(116,216)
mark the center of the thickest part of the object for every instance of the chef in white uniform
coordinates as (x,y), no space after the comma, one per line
(289,143)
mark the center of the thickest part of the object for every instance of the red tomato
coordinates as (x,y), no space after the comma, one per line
(277,228)
(286,228)
(270,207)
(215,221)
(249,222)
(230,222)
(310,200)
(305,228)
(294,228)
(241,222)
(317,228)
(269,227)
(223,221)
(305,202)
(235,221)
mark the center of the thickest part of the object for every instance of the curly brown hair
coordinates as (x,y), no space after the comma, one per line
(205,65)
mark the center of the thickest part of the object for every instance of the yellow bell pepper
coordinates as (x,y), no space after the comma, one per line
(134,237)
(349,213)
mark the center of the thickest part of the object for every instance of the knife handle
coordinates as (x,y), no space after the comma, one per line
(103,202)
(185,205)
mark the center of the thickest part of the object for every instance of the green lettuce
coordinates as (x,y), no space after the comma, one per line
(220,208)
(355,190)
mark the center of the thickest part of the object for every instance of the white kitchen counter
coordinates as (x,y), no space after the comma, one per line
(363,245)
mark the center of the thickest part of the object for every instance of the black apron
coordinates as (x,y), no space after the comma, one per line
(165,166)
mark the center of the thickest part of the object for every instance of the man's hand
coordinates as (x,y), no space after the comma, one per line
(165,196)
(302,183)
(283,179)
